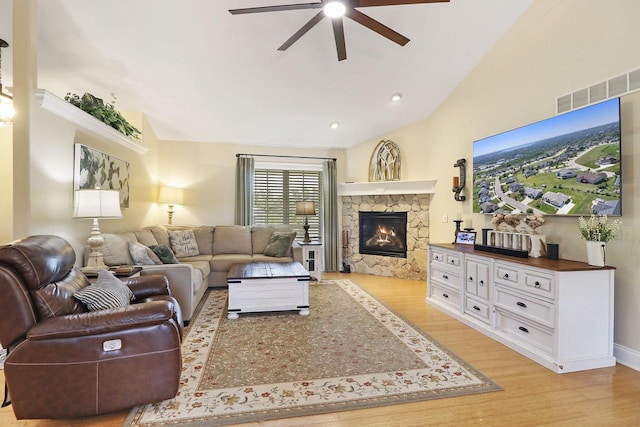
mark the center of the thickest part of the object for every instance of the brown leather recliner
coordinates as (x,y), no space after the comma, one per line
(65,361)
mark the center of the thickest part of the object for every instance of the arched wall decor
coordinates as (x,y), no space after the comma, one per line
(385,162)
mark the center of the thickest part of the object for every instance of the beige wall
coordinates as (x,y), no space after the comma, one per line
(206,171)
(6,183)
(554,49)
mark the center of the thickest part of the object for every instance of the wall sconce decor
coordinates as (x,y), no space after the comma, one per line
(458,182)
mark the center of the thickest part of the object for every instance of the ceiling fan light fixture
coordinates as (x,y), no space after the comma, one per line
(334,9)
(396,97)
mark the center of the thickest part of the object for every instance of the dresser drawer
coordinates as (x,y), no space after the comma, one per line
(531,308)
(524,331)
(506,275)
(477,309)
(445,295)
(539,283)
(532,281)
(445,277)
(452,260)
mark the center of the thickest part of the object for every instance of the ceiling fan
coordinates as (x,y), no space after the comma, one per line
(336,9)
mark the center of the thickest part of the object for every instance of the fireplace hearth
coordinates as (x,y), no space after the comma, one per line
(383,233)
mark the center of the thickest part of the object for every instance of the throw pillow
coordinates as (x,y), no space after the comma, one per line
(142,255)
(107,292)
(165,254)
(280,244)
(183,243)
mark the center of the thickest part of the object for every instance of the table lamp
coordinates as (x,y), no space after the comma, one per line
(171,196)
(96,204)
(305,208)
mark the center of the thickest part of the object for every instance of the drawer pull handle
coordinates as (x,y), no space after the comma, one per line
(537,284)
(521,304)
(506,276)
(481,282)
(445,295)
(523,329)
(453,261)
(475,307)
(471,279)
(437,258)
(444,276)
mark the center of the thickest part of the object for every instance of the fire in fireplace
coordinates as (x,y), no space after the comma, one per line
(383,233)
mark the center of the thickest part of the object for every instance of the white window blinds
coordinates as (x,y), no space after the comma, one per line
(276,192)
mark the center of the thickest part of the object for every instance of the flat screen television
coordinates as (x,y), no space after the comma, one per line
(565,165)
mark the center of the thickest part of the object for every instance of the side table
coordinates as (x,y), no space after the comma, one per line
(122,271)
(312,258)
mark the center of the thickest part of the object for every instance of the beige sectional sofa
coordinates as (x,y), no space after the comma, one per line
(218,247)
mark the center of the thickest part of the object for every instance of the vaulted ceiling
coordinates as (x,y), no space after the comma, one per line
(202,74)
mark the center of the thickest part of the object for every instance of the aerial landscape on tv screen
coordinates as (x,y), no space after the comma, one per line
(566,165)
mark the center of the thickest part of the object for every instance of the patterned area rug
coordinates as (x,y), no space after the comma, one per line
(351,352)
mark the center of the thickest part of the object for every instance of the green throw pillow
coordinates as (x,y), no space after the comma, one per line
(165,254)
(280,244)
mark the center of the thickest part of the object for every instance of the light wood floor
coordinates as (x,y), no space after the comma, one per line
(532,396)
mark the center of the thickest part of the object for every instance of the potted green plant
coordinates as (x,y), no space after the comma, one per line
(103,111)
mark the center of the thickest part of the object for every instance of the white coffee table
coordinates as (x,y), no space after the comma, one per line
(268,286)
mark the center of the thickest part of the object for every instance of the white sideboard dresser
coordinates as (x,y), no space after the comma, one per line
(558,313)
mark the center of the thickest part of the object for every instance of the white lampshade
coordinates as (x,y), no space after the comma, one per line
(305,207)
(97,204)
(170,195)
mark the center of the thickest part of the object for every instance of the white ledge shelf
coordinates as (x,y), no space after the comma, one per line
(86,121)
(386,188)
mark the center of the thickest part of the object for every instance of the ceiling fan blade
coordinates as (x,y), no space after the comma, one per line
(369,3)
(338,33)
(302,31)
(277,8)
(376,26)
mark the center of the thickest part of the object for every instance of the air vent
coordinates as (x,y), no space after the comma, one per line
(598,92)
(564,104)
(580,98)
(618,86)
(611,88)
(634,80)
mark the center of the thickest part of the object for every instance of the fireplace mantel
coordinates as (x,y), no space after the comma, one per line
(386,187)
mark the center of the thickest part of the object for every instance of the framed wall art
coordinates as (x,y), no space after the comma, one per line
(95,169)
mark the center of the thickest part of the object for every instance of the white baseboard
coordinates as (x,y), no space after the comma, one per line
(627,357)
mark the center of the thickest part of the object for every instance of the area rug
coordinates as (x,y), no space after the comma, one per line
(351,352)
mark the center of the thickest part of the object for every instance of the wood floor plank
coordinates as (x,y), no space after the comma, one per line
(532,396)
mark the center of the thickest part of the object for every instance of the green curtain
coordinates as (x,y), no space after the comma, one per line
(245,166)
(330,218)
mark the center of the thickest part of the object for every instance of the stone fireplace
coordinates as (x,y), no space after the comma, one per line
(416,207)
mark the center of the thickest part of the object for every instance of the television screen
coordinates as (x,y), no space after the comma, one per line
(565,165)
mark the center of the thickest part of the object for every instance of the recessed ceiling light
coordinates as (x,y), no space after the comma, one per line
(396,97)
(334,9)
(334,125)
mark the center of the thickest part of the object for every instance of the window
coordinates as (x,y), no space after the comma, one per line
(276,192)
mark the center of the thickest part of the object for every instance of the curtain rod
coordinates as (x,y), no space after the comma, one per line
(288,157)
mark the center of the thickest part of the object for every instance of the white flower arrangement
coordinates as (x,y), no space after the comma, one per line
(598,228)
